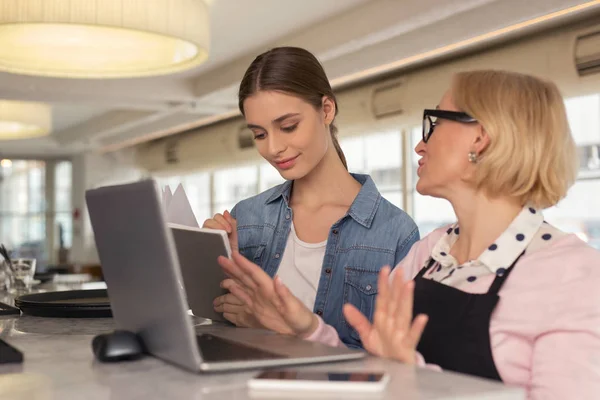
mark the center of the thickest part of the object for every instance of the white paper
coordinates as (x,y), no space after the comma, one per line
(178,209)
(167,197)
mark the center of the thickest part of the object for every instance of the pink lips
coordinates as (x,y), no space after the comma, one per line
(287,163)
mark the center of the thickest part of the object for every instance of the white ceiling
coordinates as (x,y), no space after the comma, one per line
(241,27)
(347,35)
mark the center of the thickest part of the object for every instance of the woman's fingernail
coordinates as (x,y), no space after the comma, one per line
(278,281)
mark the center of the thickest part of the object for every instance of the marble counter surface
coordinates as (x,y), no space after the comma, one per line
(59,364)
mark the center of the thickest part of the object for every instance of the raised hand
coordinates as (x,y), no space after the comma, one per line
(393,333)
(268,300)
(235,310)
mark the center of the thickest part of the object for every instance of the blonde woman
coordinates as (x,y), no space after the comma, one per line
(500,294)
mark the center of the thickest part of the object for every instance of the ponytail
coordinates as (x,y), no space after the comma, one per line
(336,144)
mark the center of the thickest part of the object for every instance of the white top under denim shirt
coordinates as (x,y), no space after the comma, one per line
(301,267)
(372,234)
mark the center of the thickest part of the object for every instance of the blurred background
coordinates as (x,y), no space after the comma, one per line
(98,93)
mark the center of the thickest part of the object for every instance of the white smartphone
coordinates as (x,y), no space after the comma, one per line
(326,381)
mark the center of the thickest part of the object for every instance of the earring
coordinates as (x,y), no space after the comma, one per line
(472,157)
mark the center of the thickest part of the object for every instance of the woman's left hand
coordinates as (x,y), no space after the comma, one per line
(393,333)
(234,310)
(269,300)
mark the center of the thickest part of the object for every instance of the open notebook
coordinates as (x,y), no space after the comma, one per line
(197,252)
(177,207)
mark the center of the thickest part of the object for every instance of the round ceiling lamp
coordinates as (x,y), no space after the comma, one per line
(24,120)
(102,38)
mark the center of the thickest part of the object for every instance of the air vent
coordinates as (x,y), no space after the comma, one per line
(386,100)
(171,156)
(587,54)
(245,138)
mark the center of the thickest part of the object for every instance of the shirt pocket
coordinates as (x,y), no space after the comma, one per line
(249,242)
(360,290)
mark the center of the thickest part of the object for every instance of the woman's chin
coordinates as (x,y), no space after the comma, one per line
(422,187)
(291,174)
(425,188)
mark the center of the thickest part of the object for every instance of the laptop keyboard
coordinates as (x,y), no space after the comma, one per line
(214,348)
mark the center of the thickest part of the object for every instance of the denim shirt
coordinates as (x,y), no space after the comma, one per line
(372,234)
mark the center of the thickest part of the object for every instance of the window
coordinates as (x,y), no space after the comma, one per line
(23,208)
(429,212)
(579,212)
(380,156)
(197,190)
(232,185)
(584,118)
(62,184)
(63,217)
(25,212)
(35,187)
(269,177)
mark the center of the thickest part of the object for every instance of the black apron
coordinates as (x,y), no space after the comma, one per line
(457,336)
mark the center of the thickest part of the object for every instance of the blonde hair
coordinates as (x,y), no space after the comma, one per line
(531,155)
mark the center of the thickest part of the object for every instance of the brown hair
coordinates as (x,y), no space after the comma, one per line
(531,155)
(294,71)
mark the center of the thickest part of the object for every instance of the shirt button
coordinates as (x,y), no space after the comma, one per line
(287,216)
(369,287)
(277,255)
(335,231)
(328,270)
(319,312)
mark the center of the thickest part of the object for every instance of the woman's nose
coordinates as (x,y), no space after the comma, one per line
(276,144)
(420,148)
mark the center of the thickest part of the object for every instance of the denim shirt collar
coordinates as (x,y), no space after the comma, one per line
(362,209)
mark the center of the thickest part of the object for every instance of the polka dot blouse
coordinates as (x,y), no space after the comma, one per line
(528,231)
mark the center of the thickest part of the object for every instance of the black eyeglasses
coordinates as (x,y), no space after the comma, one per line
(430,119)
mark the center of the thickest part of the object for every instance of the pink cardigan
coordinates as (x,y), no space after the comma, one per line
(545,331)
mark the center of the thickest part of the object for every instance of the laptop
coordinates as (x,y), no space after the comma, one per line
(147,295)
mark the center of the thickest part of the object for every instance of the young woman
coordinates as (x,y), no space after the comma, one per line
(500,294)
(325,232)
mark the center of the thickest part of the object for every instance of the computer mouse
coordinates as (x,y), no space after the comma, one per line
(119,345)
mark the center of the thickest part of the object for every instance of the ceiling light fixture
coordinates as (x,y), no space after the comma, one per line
(102,39)
(24,120)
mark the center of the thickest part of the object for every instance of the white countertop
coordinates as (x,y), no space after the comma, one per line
(59,364)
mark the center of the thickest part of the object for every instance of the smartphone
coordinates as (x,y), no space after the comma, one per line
(320,381)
